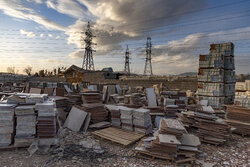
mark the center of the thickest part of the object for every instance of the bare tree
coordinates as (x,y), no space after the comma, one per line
(41,73)
(27,70)
(12,70)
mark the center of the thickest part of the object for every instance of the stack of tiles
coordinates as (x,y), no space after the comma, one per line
(127,118)
(92,103)
(6,124)
(115,115)
(36,98)
(47,124)
(170,111)
(216,77)
(25,125)
(142,121)
(91,97)
(97,111)
(172,127)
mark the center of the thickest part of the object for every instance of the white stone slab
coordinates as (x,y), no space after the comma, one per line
(75,119)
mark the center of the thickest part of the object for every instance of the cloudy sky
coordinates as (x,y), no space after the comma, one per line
(47,33)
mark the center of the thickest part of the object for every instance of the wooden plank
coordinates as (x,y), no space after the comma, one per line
(118,135)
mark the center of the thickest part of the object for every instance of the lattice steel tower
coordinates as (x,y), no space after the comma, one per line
(126,67)
(148,65)
(88,62)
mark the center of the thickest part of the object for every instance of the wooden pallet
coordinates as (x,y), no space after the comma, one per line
(119,136)
(12,147)
(143,153)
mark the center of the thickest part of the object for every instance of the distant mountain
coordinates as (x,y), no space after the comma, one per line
(188,74)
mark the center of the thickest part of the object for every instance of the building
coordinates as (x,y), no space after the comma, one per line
(76,74)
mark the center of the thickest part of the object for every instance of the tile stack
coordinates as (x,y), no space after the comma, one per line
(211,129)
(172,127)
(47,122)
(91,97)
(25,125)
(171,142)
(97,111)
(142,121)
(115,115)
(92,103)
(6,124)
(167,139)
(239,118)
(216,77)
(73,100)
(127,118)
(171,111)
(35,98)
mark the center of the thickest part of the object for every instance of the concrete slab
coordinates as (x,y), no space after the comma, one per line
(151,97)
(190,140)
(168,139)
(86,122)
(35,90)
(75,119)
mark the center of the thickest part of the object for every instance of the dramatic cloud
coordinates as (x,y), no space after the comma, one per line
(27,33)
(68,7)
(35,1)
(77,54)
(181,55)
(17,9)
(120,21)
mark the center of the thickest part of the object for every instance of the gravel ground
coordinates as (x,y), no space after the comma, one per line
(235,153)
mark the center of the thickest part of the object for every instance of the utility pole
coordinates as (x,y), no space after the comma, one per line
(126,67)
(148,65)
(88,62)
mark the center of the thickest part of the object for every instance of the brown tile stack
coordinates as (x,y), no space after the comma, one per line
(213,131)
(73,100)
(92,103)
(171,111)
(239,118)
(91,97)
(97,111)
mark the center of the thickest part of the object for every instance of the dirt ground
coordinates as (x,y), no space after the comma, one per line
(235,153)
